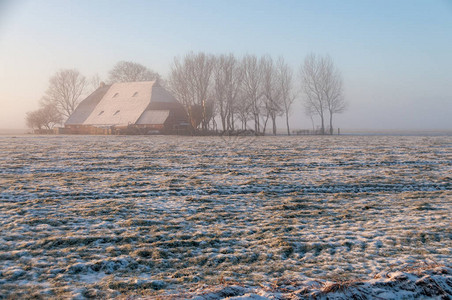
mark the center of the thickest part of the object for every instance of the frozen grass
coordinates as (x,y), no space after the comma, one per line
(426,282)
(118,216)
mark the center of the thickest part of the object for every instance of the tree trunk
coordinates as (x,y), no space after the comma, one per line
(274,124)
(223,123)
(257,128)
(287,122)
(232,121)
(228,122)
(265,125)
(331,123)
(223,117)
(322,129)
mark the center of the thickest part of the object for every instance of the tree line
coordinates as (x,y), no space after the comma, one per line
(219,92)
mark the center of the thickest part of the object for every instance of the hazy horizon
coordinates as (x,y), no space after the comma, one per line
(395,57)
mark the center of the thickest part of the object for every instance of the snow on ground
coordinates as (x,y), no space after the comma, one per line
(424,282)
(114,216)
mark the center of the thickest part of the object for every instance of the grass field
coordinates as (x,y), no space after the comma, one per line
(114,216)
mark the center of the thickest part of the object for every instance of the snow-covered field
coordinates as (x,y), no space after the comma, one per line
(107,216)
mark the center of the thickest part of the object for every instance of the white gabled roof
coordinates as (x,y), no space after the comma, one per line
(85,108)
(122,105)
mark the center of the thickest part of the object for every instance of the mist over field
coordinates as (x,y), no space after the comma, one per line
(235,149)
(395,58)
(116,216)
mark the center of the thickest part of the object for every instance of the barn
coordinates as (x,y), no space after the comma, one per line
(128,108)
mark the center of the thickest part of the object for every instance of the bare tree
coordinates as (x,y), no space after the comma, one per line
(126,71)
(65,89)
(34,120)
(311,84)
(227,83)
(285,81)
(322,86)
(219,89)
(202,72)
(332,89)
(179,83)
(272,90)
(243,107)
(46,117)
(252,87)
(190,81)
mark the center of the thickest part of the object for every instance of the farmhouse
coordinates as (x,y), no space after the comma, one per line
(128,108)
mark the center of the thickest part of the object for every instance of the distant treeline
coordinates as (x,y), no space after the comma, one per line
(219,92)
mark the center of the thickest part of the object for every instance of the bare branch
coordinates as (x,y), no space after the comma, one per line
(190,81)
(322,88)
(252,87)
(65,90)
(126,71)
(226,88)
(47,116)
(285,81)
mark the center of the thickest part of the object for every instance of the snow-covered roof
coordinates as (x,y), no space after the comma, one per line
(85,108)
(123,104)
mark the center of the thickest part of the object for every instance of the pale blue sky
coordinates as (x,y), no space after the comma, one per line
(395,56)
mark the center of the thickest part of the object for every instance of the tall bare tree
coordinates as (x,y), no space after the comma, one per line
(272,92)
(311,84)
(127,71)
(332,89)
(180,84)
(65,90)
(322,87)
(252,87)
(203,68)
(285,81)
(226,88)
(190,81)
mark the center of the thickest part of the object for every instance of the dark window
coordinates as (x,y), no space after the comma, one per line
(115,95)
(116,113)
(135,94)
(100,113)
